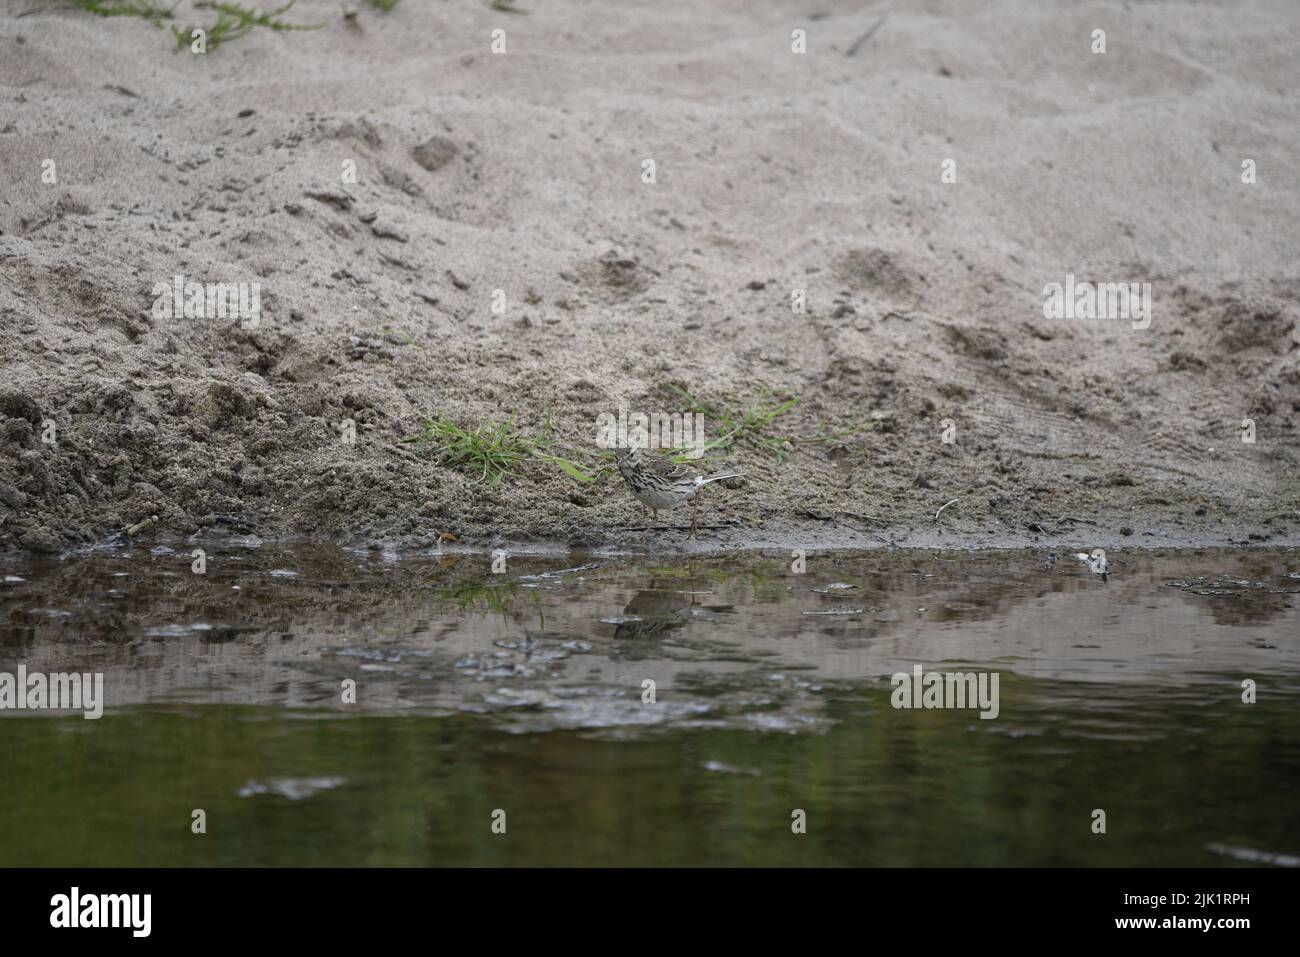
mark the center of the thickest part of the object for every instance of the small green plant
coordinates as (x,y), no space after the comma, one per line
(233,21)
(749,424)
(494,451)
(384,5)
(834,438)
(144,9)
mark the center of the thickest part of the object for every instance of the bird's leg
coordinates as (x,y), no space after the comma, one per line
(695,511)
(655,513)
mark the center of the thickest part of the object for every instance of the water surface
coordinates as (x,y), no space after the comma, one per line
(525,691)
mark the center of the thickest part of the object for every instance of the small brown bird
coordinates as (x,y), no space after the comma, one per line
(658,482)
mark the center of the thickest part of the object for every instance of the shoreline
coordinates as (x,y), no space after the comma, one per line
(811,539)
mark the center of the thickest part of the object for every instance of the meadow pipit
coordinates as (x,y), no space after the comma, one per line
(658,482)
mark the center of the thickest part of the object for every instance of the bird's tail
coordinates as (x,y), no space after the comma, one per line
(719,478)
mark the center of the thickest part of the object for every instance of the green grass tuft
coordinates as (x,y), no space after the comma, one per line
(493,452)
(384,5)
(233,21)
(835,438)
(150,10)
(749,424)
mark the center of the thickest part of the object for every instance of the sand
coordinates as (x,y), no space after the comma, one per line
(774,173)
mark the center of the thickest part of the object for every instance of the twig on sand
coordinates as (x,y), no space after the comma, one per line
(1078,521)
(139,527)
(672,528)
(865,37)
(1061,522)
(941,508)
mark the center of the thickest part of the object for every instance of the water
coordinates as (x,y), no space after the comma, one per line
(523,692)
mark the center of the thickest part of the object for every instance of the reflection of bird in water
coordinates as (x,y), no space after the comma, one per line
(1095,560)
(660,609)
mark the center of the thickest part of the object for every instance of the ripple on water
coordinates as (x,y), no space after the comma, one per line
(178,630)
(295,789)
(720,768)
(1253,856)
(1227,586)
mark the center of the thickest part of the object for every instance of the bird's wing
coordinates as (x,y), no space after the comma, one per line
(668,469)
